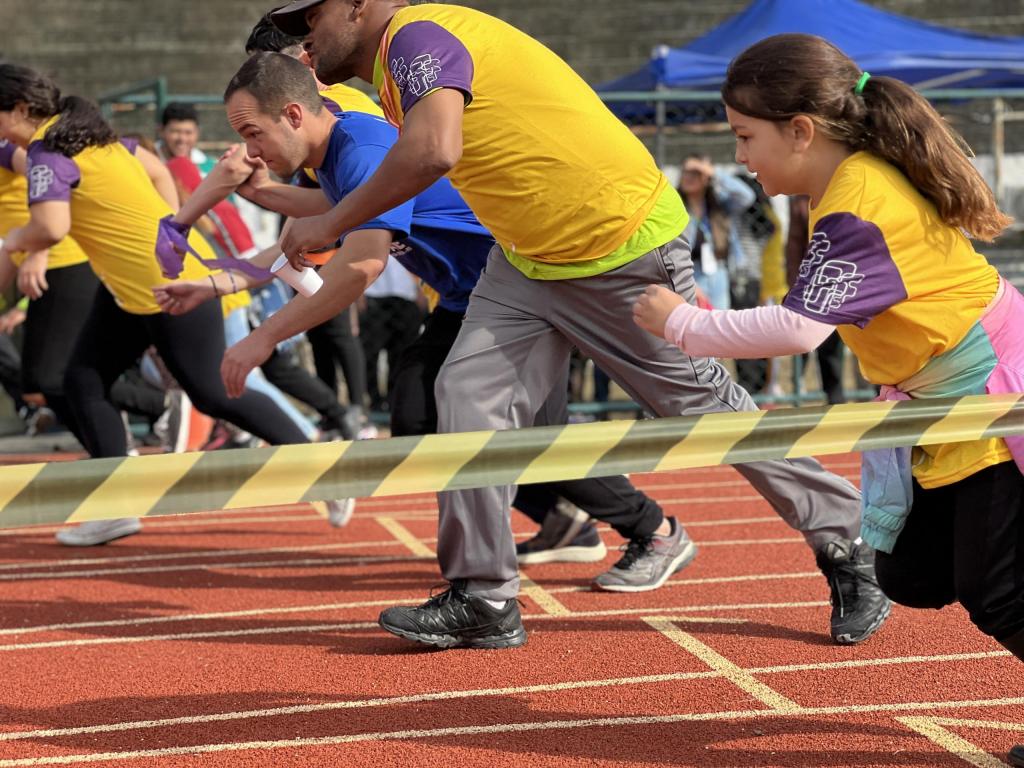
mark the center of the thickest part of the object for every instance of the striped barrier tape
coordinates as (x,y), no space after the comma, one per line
(170,484)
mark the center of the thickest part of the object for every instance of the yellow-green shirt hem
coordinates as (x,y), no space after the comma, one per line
(666,221)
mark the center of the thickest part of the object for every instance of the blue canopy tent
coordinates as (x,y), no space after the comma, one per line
(925,55)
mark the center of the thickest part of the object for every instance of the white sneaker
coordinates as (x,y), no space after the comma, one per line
(173,425)
(95,532)
(339,512)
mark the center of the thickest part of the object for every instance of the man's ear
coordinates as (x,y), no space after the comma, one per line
(294,114)
(358,8)
(801,132)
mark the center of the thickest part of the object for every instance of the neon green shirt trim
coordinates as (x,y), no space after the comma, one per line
(666,221)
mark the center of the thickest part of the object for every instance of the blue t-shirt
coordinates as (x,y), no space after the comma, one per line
(437,237)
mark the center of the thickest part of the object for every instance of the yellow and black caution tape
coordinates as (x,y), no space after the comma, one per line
(192,482)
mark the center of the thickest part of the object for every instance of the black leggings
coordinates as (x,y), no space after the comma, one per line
(964,542)
(52,324)
(192,347)
(334,342)
(414,412)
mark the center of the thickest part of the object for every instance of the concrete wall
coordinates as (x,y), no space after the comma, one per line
(92,46)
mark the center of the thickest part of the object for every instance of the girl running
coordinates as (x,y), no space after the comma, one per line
(894,199)
(83,182)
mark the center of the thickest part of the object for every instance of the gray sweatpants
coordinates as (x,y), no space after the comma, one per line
(514,343)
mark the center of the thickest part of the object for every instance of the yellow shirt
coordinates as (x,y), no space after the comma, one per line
(545,166)
(902,286)
(114,214)
(345,98)
(14,213)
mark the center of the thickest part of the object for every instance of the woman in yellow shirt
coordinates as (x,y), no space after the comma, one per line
(83,182)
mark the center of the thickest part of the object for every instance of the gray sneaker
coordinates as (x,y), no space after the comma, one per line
(649,561)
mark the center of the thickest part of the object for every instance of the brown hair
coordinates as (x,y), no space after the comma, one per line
(787,75)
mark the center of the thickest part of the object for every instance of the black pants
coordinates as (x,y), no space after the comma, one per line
(414,412)
(10,369)
(334,343)
(389,324)
(192,347)
(964,542)
(282,370)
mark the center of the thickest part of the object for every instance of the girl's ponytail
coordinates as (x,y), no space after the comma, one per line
(901,127)
(80,125)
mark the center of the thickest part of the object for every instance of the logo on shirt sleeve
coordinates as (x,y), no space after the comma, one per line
(4,143)
(829,283)
(417,76)
(40,179)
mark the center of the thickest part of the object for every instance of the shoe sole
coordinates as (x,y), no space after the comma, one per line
(875,626)
(96,542)
(682,560)
(1016,755)
(513,639)
(564,555)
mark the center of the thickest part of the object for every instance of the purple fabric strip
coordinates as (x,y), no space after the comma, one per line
(130,144)
(172,245)
(424,56)
(7,154)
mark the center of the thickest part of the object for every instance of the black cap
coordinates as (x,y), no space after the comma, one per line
(291,19)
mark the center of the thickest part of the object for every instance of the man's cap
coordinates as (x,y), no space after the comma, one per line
(291,18)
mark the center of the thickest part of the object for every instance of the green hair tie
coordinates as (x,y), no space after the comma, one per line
(859,87)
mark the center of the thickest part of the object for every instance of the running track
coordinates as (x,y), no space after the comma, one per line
(250,639)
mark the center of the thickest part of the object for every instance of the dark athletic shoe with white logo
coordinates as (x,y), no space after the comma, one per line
(456,619)
(859,607)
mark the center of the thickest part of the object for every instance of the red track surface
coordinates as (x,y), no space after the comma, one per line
(250,639)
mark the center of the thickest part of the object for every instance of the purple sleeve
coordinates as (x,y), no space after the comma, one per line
(130,144)
(51,175)
(847,276)
(423,57)
(7,154)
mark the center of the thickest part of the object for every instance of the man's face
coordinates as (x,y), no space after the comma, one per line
(275,139)
(180,137)
(333,43)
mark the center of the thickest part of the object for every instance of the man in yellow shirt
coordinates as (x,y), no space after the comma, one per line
(584,221)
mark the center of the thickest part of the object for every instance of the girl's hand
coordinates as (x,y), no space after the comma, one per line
(652,309)
(32,275)
(184,296)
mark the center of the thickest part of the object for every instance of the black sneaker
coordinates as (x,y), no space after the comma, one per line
(565,536)
(1017,755)
(457,619)
(859,607)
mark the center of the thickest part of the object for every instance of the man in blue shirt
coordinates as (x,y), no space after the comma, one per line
(273,104)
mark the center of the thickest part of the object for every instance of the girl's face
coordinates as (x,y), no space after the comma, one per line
(14,127)
(768,151)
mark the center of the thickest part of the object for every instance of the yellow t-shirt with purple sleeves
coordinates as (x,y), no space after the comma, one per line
(114,215)
(902,286)
(563,185)
(14,213)
(344,98)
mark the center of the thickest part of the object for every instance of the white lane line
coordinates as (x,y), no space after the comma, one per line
(70,563)
(226,566)
(300,628)
(180,521)
(708,580)
(405,537)
(302,709)
(542,597)
(951,742)
(190,617)
(77,561)
(320,607)
(285,564)
(736,675)
(476,730)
